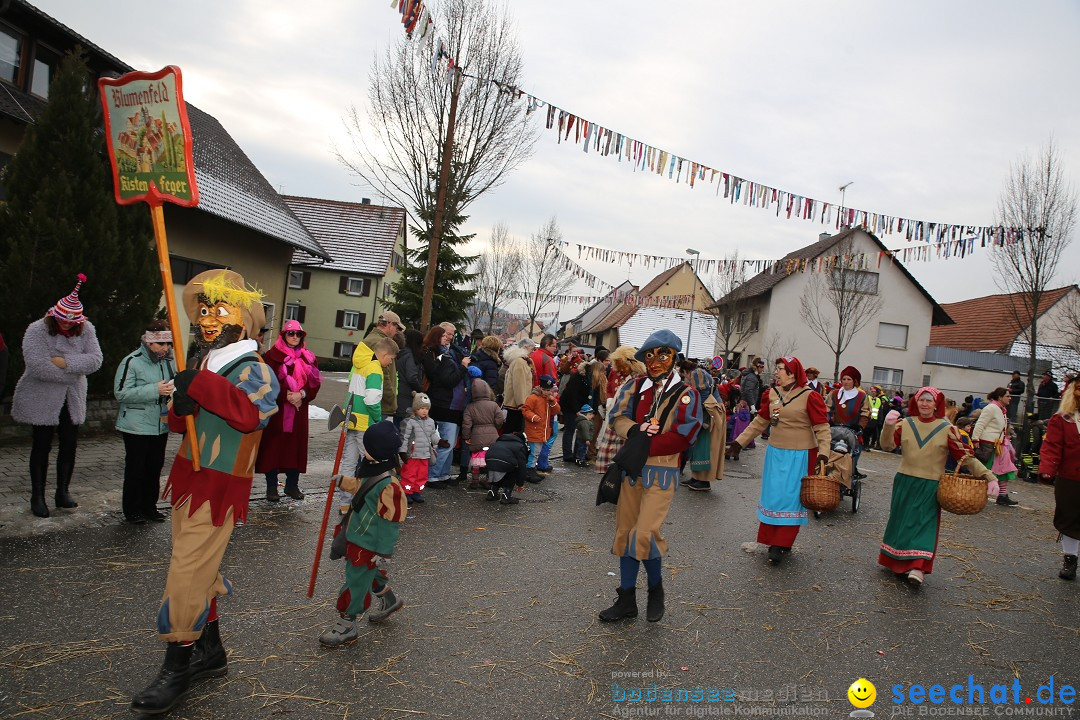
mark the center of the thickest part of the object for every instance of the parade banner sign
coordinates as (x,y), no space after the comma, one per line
(149,138)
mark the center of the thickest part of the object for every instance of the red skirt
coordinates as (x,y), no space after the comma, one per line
(779,535)
(414,475)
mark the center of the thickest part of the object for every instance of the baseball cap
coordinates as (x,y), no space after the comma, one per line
(391,317)
(547,382)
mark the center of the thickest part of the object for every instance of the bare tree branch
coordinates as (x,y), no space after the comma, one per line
(397,144)
(775,346)
(543,274)
(1038,199)
(730,305)
(839,302)
(498,274)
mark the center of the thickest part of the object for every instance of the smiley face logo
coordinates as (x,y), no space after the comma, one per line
(862,693)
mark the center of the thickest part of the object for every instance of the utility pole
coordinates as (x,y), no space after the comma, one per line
(843,192)
(690,330)
(440,204)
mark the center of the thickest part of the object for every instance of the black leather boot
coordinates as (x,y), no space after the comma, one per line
(64,471)
(171,684)
(37,491)
(654,611)
(1068,570)
(209,658)
(625,606)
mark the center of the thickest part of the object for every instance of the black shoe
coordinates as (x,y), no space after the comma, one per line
(699,485)
(294,492)
(134,520)
(625,606)
(171,684)
(1068,569)
(1006,501)
(654,610)
(507,498)
(492,493)
(38,506)
(453,482)
(569,461)
(777,553)
(544,470)
(418,498)
(531,475)
(858,476)
(156,516)
(272,496)
(209,658)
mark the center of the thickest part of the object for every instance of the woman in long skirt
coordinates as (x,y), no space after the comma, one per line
(799,444)
(926,439)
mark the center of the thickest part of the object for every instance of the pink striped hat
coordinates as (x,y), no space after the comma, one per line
(70,308)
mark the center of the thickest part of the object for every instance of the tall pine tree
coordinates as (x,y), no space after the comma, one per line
(61,219)
(452,279)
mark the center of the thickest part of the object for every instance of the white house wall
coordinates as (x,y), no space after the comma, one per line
(904,304)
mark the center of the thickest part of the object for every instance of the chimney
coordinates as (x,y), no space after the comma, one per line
(365,201)
(823,236)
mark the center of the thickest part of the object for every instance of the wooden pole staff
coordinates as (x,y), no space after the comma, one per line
(157,215)
(330,496)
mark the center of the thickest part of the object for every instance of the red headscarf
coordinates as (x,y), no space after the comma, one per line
(794,367)
(852,372)
(939,402)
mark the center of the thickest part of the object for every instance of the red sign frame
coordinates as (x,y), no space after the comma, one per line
(150,151)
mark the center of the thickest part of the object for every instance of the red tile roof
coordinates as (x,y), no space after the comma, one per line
(988,323)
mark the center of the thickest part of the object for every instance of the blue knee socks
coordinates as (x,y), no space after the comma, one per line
(628,568)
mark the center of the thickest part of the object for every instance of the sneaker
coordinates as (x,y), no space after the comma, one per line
(1006,501)
(507,498)
(388,604)
(491,494)
(343,632)
(915,578)
(699,485)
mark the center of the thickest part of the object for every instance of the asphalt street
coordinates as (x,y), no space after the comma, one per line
(501,603)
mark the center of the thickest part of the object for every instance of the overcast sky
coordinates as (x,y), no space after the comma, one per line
(923,105)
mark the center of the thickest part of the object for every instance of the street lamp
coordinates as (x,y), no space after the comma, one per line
(690,329)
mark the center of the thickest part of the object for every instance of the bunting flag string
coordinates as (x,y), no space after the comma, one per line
(950,239)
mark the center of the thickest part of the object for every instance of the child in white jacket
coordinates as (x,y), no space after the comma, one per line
(419,444)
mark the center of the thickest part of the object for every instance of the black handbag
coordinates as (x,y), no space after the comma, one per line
(984,452)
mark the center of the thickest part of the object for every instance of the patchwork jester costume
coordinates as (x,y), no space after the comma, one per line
(231,396)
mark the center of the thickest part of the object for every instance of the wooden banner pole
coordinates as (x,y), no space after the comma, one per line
(157,215)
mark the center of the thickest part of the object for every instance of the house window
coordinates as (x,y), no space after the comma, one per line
(386,291)
(295,311)
(354,286)
(350,319)
(270,310)
(184,269)
(344,349)
(44,63)
(741,326)
(10,55)
(859,281)
(888,377)
(891,335)
(755,319)
(299,279)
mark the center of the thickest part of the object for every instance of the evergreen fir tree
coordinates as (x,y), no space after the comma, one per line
(452,279)
(61,219)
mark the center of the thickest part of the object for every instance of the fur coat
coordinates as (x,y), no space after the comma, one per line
(44,388)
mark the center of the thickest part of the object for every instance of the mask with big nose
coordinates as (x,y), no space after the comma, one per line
(659,361)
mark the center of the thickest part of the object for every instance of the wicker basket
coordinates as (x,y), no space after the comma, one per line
(961,494)
(820,493)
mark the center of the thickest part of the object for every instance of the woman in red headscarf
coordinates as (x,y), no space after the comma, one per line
(799,443)
(926,439)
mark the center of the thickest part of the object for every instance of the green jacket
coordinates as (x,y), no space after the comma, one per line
(142,410)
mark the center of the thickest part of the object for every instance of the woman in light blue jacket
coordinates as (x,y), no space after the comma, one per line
(143,385)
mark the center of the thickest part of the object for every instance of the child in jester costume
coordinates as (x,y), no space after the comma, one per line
(231,395)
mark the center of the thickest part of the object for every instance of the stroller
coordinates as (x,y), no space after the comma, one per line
(839,466)
(1029,459)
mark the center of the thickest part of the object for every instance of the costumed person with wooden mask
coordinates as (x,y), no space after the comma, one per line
(659,416)
(231,395)
(799,444)
(706,456)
